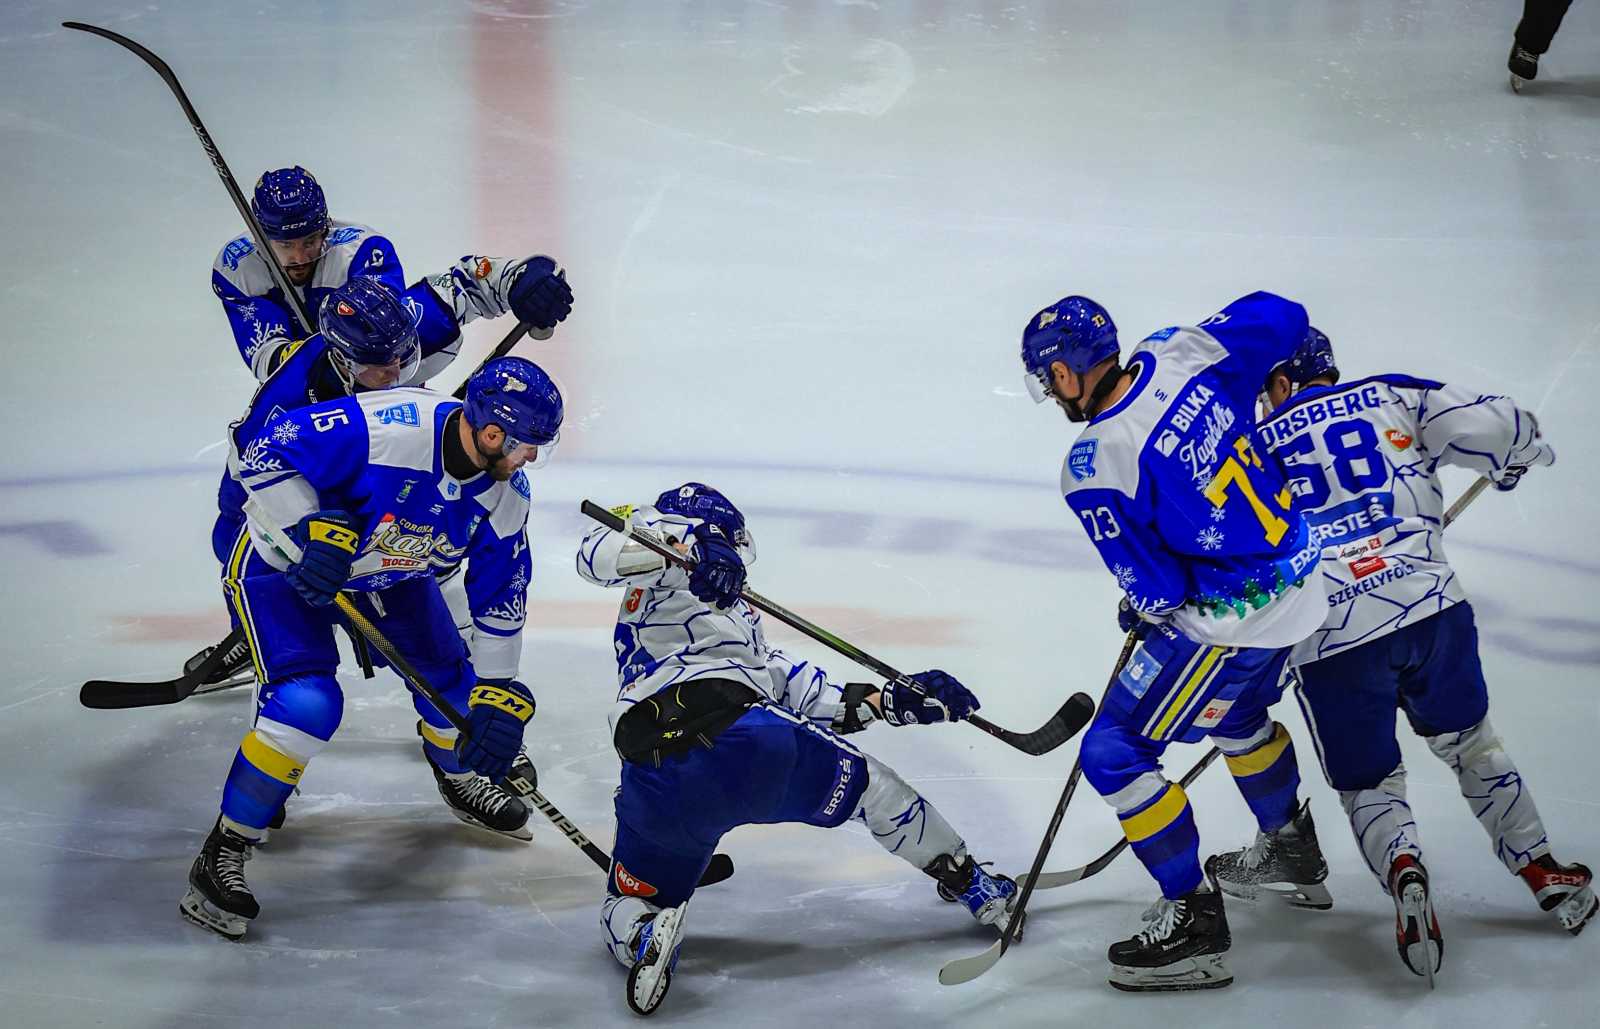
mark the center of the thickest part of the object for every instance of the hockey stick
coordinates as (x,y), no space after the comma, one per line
(964,970)
(1467,497)
(523,780)
(1061,727)
(107,694)
(280,278)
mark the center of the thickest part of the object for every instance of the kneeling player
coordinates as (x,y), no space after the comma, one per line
(362,494)
(718,729)
(1399,632)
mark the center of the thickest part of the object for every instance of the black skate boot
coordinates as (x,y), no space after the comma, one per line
(237,667)
(219,899)
(1181,946)
(1523,65)
(1287,863)
(1416,930)
(479,802)
(1567,891)
(990,897)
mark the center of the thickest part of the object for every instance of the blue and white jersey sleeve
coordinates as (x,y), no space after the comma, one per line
(1126,538)
(806,690)
(301,463)
(498,570)
(600,555)
(261,325)
(1259,332)
(1478,431)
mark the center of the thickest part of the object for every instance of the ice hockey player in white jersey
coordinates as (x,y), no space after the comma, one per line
(716,729)
(318,253)
(1363,459)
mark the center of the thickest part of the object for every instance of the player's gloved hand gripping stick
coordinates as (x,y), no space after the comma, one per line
(523,780)
(1062,726)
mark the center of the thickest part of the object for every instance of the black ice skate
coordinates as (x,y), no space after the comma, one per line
(1181,947)
(655,949)
(1523,65)
(990,897)
(219,899)
(480,803)
(236,670)
(1416,930)
(1287,863)
(1567,891)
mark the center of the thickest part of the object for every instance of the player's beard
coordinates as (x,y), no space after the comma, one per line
(498,464)
(300,274)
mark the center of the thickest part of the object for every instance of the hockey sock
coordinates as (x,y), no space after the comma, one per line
(440,745)
(1494,790)
(1382,823)
(1264,769)
(1163,835)
(261,779)
(902,822)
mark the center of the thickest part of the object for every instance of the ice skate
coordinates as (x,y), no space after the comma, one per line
(656,948)
(219,899)
(988,896)
(1566,891)
(480,803)
(1287,863)
(237,667)
(1523,65)
(1416,930)
(1181,947)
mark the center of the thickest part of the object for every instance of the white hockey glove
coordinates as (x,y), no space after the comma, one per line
(481,287)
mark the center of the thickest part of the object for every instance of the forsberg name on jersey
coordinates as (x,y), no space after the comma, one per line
(1315,412)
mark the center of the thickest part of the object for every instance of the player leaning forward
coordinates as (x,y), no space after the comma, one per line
(361,494)
(1399,634)
(717,729)
(1213,564)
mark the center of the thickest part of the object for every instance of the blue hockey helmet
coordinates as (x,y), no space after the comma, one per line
(1075,331)
(371,338)
(517,395)
(1313,359)
(697,500)
(289,204)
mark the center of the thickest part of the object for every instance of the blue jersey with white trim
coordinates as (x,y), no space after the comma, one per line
(262,319)
(665,636)
(378,457)
(1363,461)
(1195,526)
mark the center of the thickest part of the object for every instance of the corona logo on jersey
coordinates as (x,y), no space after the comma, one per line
(401,545)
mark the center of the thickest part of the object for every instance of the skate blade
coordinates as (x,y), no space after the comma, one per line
(1308,896)
(242,679)
(1517,82)
(648,984)
(1575,912)
(522,832)
(1422,952)
(1202,972)
(195,908)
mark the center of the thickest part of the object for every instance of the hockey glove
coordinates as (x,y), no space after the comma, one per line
(540,295)
(718,574)
(943,699)
(327,542)
(497,714)
(1506,479)
(1131,619)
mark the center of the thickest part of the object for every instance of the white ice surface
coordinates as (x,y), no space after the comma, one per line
(804,237)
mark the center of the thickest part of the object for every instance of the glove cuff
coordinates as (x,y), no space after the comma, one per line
(855,712)
(505,697)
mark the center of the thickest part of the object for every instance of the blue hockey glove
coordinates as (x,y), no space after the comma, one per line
(946,700)
(327,542)
(497,714)
(540,295)
(1131,619)
(718,574)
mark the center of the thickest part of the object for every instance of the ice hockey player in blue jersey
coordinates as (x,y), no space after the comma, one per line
(1213,566)
(371,494)
(716,728)
(375,348)
(1399,634)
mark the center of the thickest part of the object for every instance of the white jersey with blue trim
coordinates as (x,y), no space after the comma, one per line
(261,317)
(665,636)
(1363,460)
(1196,528)
(378,457)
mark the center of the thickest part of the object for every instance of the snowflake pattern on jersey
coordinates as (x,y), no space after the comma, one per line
(1125,576)
(1210,538)
(518,583)
(1202,479)
(256,459)
(380,582)
(1218,514)
(286,432)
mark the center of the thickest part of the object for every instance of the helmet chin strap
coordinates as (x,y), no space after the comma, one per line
(341,368)
(1078,410)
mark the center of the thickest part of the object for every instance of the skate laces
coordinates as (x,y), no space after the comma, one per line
(1255,855)
(1161,917)
(480,792)
(230,863)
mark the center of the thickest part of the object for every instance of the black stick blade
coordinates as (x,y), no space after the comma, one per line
(107,695)
(1062,726)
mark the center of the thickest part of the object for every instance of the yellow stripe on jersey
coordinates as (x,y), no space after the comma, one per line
(270,760)
(1260,759)
(1208,667)
(1157,816)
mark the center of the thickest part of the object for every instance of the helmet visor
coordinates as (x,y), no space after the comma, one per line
(541,452)
(1039,388)
(397,372)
